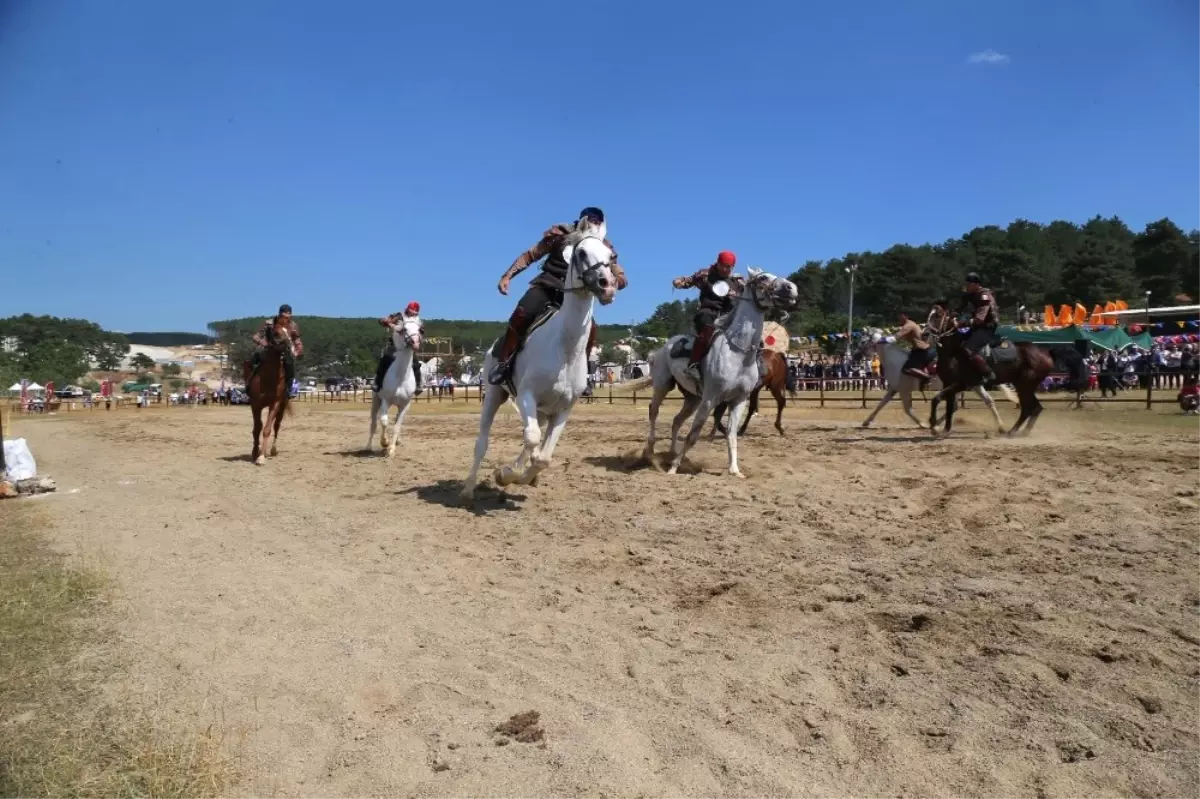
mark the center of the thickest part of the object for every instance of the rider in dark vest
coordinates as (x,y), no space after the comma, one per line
(984,318)
(260,342)
(547,288)
(712,305)
(412,311)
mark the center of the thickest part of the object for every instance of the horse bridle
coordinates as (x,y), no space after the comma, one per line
(593,281)
(406,337)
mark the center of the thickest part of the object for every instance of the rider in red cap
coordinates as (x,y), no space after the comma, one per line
(712,305)
(411,311)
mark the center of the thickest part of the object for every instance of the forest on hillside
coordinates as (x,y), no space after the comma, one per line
(350,346)
(1025,263)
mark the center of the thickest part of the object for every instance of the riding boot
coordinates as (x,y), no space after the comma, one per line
(381,370)
(981,365)
(289,372)
(417,374)
(512,337)
(699,350)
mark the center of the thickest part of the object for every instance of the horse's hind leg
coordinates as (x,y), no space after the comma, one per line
(906,403)
(375,404)
(689,407)
(1034,413)
(492,401)
(991,403)
(887,397)
(780,403)
(655,405)
(693,435)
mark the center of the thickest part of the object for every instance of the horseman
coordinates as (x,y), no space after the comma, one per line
(412,312)
(922,355)
(547,288)
(714,303)
(261,342)
(984,318)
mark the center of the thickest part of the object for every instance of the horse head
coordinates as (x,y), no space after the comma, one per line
(590,268)
(407,333)
(768,291)
(280,338)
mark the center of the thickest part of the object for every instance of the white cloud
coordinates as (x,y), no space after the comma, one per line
(988,56)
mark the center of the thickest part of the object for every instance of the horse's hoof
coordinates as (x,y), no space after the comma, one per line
(533,483)
(864,425)
(467,495)
(503,476)
(738,475)
(260,460)
(391,453)
(673,470)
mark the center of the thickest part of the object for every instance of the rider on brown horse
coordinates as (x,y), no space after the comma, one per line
(712,304)
(547,288)
(985,316)
(411,311)
(262,340)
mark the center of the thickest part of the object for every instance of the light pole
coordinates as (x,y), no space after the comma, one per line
(851,268)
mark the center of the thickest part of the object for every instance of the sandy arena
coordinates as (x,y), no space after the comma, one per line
(870,613)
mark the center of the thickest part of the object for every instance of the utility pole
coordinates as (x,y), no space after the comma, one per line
(851,269)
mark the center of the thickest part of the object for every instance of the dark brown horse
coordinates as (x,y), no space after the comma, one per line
(775,380)
(267,389)
(1025,368)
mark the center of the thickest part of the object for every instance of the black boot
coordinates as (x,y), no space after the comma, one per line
(504,361)
(417,374)
(385,363)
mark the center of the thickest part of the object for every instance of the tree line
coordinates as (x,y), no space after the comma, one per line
(46,348)
(347,347)
(1025,264)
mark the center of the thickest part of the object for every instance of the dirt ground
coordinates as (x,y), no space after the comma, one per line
(870,613)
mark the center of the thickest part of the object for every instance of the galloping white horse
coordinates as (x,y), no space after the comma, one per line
(892,357)
(399,384)
(730,368)
(550,372)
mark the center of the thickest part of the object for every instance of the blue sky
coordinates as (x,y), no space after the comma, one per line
(164,164)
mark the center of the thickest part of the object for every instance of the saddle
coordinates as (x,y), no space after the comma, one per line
(683,349)
(1000,351)
(540,320)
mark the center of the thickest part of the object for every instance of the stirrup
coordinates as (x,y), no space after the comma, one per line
(499,372)
(693,371)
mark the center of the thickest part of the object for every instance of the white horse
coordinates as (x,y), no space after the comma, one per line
(891,358)
(730,368)
(550,372)
(399,384)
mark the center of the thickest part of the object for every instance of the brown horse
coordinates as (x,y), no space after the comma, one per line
(775,380)
(1024,370)
(267,389)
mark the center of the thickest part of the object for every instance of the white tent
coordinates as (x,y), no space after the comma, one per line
(15,387)
(34,387)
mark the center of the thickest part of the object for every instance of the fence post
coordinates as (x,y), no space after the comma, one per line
(1150,388)
(635,396)
(864,393)
(821,388)
(610,399)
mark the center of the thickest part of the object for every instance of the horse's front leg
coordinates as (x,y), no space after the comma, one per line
(541,457)
(256,451)
(991,404)
(735,415)
(701,416)
(391,450)
(275,436)
(264,438)
(531,438)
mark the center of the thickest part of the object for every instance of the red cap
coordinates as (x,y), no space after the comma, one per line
(413,307)
(726,258)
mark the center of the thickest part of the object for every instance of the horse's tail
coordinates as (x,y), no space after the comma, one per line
(648,380)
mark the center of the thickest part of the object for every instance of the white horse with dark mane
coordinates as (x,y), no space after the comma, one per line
(550,372)
(730,370)
(399,384)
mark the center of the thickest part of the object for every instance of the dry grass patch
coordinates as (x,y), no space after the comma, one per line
(60,735)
